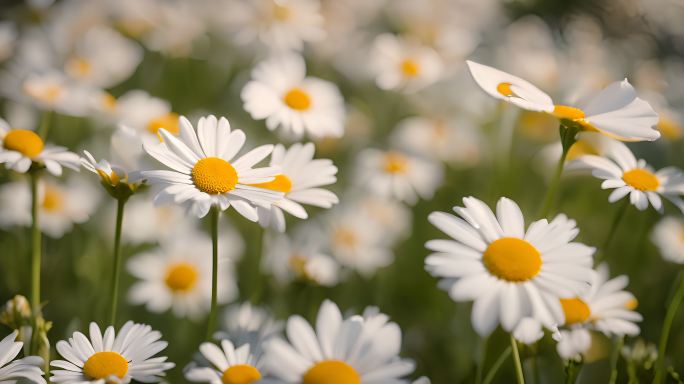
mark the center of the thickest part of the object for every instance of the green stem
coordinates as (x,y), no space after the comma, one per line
(516,359)
(481,363)
(214,271)
(35,244)
(614,360)
(667,325)
(568,133)
(44,127)
(497,364)
(571,371)
(116,270)
(617,219)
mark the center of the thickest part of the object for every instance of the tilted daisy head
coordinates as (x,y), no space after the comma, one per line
(668,236)
(509,272)
(206,171)
(111,358)
(228,365)
(21,370)
(114,179)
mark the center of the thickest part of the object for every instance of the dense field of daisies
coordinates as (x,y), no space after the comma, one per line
(341,191)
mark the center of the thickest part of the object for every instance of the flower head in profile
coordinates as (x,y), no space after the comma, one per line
(114,179)
(668,236)
(509,272)
(205,170)
(228,364)
(20,370)
(616,111)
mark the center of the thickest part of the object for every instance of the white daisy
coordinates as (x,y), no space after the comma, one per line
(115,179)
(111,358)
(205,172)
(172,277)
(53,91)
(300,180)
(245,323)
(398,175)
(226,365)
(528,331)
(616,111)
(355,350)
(402,64)
(621,171)
(147,223)
(20,148)
(21,370)
(508,272)
(393,217)
(282,94)
(668,236)
(146,114)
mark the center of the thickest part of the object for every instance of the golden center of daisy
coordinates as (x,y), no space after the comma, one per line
(78,67)
(566,112)
(576,310)
(641,179)
(214,176)
(345,238)
(298,265)
(48,93)
(281,12)
(670,128)
(512,259)
(108,102)
(331,372)
(410,67)
(241,374)
(111,179)
(298,99)
(631,304)
(168,121)
(102,365)
(395,163)
(181,277)
(26,142)
(52,199)
(281,183)
(505,89)
(580,148)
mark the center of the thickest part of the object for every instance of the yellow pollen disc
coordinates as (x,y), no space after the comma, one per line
(181,277)
(345,238)
(576,310)
(631,304)
(214,176)
(331,372)
(52,199)
(298,99)
(505,89)
(281,12)
(281,183)
(105,364)
(670,128)
(580,148)
(48,93)
(298,265)
(108,102)
(112,179)
(168,121)
(512,259)
(78,67)
(26,142)
(241,374)
(410,68)
(395,163)
(641,179)
(566,112)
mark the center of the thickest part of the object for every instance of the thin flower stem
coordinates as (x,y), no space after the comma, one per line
(35,244)
(614,360)
(116,270)
(571,372)
(667,325)
(497,364)
(516,359)
(568,133)
(214,271)
(481,363)
(617,219)
(44,127)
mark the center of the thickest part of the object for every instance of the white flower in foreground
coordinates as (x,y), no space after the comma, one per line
(22,370)
(227,365)
(401,64)
(205,171)
(621,171)
(510,273)
(245,323)
(354,350)
(111,358)
(300,258)
(668,236)
(398,175)
(616,111)
(19,148)
(300,180)
(282,94)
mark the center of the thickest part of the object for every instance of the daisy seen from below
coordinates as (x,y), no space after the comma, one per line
(113,178)
(510,273)
(300,180)
(21,370)
(205,171)
(282,94)
(616,111)
(622,172)
(227,365)
(111,357)
(606,307)
(354,350)
(668,236)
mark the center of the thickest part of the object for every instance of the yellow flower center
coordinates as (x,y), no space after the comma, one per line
(298,265)
(240,374)
(632,304)
(395,163)
(78,67)
(669,128)
(52,199)
(168,121)
(641,179)
(580,148)
(281,183)
(410,68)
(48,93)
(566,112)
(102,365)
(298,99)
(345,238)
(505,89)
(331,372)
(108,102)
(214,176)
(112,179)
(181,277)
(512,259)
(26,142)
(281,12)
(576,310)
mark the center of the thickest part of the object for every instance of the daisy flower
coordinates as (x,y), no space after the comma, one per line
(111,358)
(355,350)
(616,111)
(205,172)
(114,179)
(508,272)
(22,370)
(146,114)
(245,323)
(402,64)
(20,148)
(282,94)
(147,223)
(227,365)
(300,180)
(397,175)
(392,216)
(668,236)
(622,172)
(172,277)
(606,308)
(53,91)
